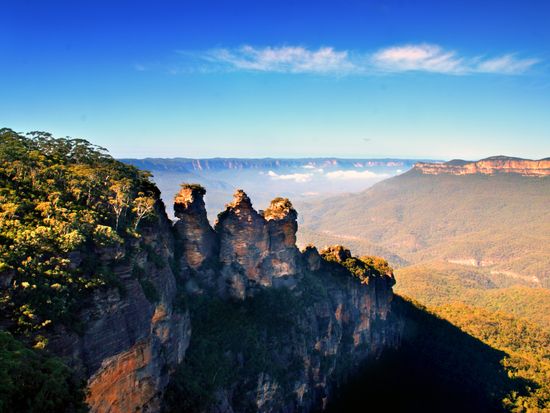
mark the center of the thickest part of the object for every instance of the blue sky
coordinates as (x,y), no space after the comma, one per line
(263,78)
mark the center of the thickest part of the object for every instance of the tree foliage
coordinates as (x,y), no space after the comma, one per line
(61,201)
(364,268)
(34,382)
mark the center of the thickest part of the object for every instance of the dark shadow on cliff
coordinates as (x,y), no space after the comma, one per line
(438,368)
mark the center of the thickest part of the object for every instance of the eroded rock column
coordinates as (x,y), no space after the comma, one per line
(244,245)
(199,241)
(283,258)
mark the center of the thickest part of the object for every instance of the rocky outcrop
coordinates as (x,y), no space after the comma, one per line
(253,249)
(321,321)
(488,166)
(244,244)
(257,248)
(198,240)
(282,227)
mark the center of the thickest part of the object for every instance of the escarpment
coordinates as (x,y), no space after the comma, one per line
(488,166)
(133,335)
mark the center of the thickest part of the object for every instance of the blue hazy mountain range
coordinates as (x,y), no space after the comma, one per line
(263,179)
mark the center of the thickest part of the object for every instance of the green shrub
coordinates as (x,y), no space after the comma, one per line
(32,381)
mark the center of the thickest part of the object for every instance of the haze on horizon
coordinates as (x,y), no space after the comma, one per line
(282,79)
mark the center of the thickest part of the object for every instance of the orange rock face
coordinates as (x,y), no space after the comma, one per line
(120,386)
(489,166)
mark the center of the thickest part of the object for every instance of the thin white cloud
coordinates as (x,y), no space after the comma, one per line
(506,64)
(313,168)
(433,58)
(345,175)
(329,61)
(285,59)
(299,178)
(423,57)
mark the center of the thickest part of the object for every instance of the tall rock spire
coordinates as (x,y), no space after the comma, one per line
(283,255)
(199,241)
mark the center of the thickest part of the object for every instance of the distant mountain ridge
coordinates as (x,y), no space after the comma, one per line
(487,166)
(196,164)
(265,178)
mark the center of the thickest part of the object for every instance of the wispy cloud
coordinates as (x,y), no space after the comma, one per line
(424,57)
(297,177)
(433,58)
(329,61)
(285,59)
(507,64)
(344,175)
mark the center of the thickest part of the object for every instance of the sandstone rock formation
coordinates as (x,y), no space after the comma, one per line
(244,244)
(282,227)
(257,248)
(488,166)
(137,334)
(331,320)
(199,243)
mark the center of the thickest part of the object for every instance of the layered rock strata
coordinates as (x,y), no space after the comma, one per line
(488,166)
(133,335)
(198,240)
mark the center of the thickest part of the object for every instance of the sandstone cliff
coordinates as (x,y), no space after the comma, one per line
(273,329)
(132,336)
(488,166)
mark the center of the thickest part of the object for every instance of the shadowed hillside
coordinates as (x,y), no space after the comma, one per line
(439,368)
(474,249)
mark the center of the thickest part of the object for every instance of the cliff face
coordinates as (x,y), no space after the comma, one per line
(318,338)
(489,166)
(133,336)
(274,329)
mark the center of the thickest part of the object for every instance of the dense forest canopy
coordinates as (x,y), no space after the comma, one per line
(61,200)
